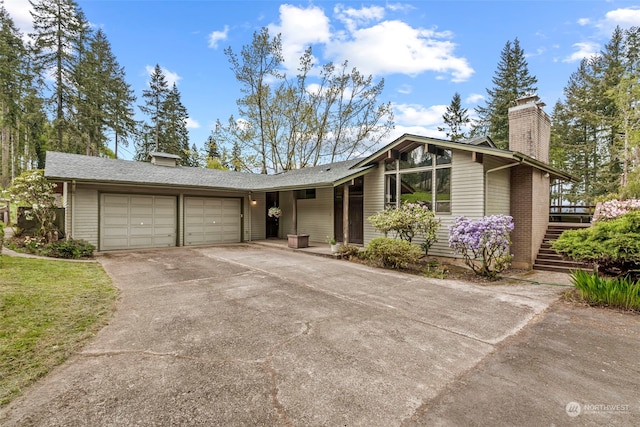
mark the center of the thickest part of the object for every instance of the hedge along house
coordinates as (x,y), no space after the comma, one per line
(118,204)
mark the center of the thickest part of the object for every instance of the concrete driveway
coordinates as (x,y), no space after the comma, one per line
(246,335)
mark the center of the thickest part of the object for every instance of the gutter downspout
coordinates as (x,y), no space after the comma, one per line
(486,180)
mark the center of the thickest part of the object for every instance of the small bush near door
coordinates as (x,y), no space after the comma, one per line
(392,253)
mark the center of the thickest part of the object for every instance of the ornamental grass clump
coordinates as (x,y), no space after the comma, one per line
(483,243)
(621,292)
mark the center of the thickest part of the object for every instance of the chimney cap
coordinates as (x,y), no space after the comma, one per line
(528,100)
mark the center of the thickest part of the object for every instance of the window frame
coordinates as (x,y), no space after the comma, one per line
(397,173)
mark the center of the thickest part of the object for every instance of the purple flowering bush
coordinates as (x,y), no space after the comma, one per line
(409,221)
(614,208)
(483,243)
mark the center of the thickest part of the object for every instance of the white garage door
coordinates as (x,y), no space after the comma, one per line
(210,220)
(130,221)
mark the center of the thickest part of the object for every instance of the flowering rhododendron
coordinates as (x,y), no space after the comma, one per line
(614,208)
(483,243)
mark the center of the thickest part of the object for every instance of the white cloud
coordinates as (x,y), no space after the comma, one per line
(354,18)
(625,18)
(19,11)
(400,130)
(299,28)
(405,89)
(217,36)
(395,47)
(418,115)
(583,50)
(474,98)
(192,124)
(378,48)
(584,21)
(169,76)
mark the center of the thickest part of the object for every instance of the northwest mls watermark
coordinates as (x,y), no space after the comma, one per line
(574,409)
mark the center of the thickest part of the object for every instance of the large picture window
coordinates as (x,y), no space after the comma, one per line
(415,178)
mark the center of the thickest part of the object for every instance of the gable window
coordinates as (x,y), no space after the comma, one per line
(422,175)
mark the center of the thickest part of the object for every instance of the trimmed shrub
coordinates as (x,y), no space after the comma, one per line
(612,245)
(619,292)
(72,249)
(349,251)
(392,253)
(409,221)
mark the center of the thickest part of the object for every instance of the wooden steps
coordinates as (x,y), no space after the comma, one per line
(548,259)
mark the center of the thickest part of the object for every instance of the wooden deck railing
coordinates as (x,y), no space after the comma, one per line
(571,213)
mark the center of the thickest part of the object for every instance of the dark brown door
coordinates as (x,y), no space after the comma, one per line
(356,215)
(272,223)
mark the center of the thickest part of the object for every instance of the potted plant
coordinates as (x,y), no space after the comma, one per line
(333,244)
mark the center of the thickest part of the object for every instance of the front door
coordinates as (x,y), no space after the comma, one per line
(356,215)
(272,223)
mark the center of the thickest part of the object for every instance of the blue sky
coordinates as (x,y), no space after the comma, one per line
(425,50)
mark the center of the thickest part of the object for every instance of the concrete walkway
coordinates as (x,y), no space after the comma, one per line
(248,335)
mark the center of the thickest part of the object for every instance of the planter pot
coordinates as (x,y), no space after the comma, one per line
(334,248)
(298,240)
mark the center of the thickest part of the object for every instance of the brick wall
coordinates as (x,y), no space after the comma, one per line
(529,134)
(530,129)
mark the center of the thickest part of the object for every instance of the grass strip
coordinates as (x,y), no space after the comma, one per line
(48,310)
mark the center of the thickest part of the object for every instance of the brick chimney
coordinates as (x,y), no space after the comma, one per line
(530,128)
(164,159)
(529,134)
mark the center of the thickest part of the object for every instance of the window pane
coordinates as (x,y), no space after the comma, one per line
(417,187)
(443,190)
(443,157)
(416,158)
(390,192)
(390,166)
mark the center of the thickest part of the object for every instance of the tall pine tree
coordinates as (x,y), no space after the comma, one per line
(510,82)
(154,98)
(58,30)
(456,119)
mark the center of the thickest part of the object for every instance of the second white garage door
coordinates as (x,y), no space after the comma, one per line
(210,220)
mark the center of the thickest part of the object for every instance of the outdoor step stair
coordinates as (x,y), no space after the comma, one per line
(549,260)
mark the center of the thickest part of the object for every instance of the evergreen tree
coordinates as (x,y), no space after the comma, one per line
(456,119)
(12,77)
(175,136)
(58,28)
(510,82)
(154,98)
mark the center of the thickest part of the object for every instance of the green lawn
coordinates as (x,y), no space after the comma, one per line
(48,309)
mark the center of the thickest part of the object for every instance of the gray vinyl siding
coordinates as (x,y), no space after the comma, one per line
(373,200)
(498,189)
(258,217)
(315,216)
(467,198)
(286,204)
(84,208)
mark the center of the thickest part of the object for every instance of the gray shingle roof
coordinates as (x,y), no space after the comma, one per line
(65,166)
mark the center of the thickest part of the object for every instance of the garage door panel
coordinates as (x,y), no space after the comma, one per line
(211,220)
(130,221)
